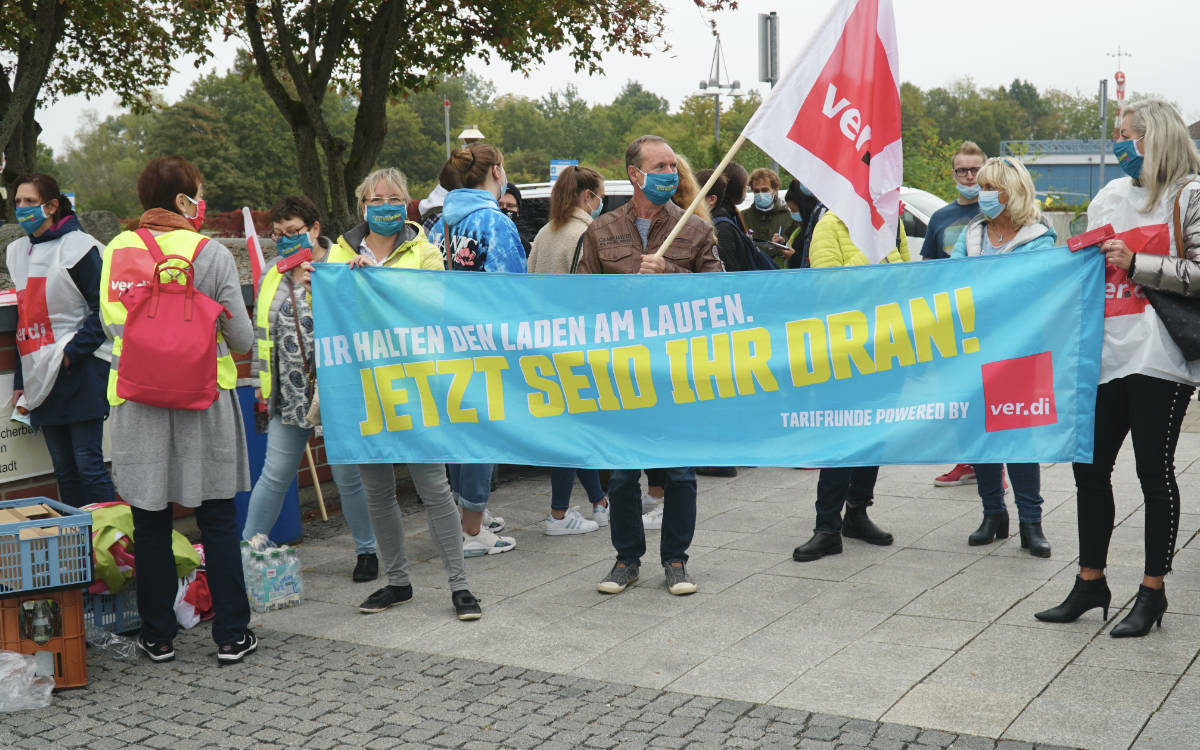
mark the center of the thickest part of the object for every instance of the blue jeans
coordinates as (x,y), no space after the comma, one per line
(473,483)
(154,562)
(625,519)
(853,486)
(562,481)
(285,449)
(78,457)
(1026,484)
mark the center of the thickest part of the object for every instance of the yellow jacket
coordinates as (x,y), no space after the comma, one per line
(831,245)
(412,249)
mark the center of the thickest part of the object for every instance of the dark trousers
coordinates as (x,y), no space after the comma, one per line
(853,486)
(1026,484)
(656,477)
(78,458)
(562,481)
(679,514)
(155,566)
(1152,409)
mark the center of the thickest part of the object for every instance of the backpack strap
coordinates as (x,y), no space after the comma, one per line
(151,244)
(578,252)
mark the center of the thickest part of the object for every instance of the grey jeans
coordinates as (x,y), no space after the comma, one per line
(445,527)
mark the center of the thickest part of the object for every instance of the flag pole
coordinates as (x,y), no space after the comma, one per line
(701,195)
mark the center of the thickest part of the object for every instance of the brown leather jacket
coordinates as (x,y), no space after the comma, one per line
(612,244)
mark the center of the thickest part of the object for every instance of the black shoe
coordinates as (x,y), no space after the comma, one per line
(367,568)
(1034,540)
(993,527)
(232,653)
(717,471)
(1084,595)
(1148,608)
(822,543)
(856,525)
(388,596)
(156,650)
(466,606)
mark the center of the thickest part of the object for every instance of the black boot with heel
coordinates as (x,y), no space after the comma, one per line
(1084,595)
(1148,609)
(994,526)
(1034,539)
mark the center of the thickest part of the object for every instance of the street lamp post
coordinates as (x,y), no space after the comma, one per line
(714,88)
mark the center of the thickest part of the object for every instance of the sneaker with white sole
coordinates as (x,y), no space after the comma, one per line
(158,651)
(572,522)
(232,653)
(653,519)
(600,513)
(621,577)
(679,582)
(961,474)
(649,502)
(494,524)
(486,543)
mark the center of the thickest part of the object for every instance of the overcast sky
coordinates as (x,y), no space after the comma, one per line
(1063,44)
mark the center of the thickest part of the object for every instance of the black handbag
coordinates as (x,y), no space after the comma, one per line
(1180,314)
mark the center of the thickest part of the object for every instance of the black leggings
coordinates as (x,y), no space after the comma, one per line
(1152,409)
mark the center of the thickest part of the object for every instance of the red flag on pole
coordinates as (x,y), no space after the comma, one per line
(253,248)
(833,121)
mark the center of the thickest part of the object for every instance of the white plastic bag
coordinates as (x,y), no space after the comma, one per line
(20,687)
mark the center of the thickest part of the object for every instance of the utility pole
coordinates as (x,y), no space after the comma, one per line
(714,88)
(1103,128)
(768,54)
(1119,76)
(446,106)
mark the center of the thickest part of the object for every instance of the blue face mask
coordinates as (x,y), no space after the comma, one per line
(595,212)
(796,217)
(30,217)
(386,220)
(970,192)
(763,201)
(658,187)
(290,243)
(1128,157)
(989,203)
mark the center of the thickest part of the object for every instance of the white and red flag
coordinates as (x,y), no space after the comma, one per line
(257,262)
(833,121)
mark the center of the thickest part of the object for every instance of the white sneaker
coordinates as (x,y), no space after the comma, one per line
(653,519)
(494,524)
(486,543)
(572,522)
(649,501)
(600,514)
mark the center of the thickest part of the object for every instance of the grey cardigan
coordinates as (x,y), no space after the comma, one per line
(182,456)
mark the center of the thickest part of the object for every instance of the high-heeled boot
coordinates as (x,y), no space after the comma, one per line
(993,527)
(1148,608)
(1034,540)
(1084,595)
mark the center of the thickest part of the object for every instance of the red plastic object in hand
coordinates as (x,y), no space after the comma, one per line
(1090,238)
(303,255)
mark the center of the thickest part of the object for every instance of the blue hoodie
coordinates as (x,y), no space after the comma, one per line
(482,238)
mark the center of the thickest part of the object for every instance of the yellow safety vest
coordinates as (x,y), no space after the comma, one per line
(268,288)
(127,263)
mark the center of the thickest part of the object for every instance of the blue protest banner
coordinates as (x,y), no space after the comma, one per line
(968,360)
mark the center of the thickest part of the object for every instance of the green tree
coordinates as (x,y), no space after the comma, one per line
(104,160)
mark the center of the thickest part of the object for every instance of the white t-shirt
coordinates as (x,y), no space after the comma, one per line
(1138,343)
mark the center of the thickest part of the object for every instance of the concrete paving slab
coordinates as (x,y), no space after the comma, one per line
(1176,724)
(957,708)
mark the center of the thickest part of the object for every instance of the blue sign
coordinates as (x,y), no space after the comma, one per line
(558,165)
(967,360)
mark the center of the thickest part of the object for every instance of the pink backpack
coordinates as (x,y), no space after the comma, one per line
(169,344)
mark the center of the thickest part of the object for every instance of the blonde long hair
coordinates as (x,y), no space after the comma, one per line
(1170,154)
(688,187)
(1011,176)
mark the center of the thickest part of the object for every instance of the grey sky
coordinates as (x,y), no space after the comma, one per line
(1053,43)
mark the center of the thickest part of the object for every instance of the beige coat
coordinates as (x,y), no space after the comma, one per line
(553,250)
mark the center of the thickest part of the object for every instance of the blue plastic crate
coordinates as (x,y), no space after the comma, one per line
(116,613)
(59,560)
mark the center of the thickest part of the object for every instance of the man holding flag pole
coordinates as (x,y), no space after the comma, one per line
(833,121)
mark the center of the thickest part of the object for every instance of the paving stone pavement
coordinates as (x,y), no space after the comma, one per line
(306,692)
(927,643)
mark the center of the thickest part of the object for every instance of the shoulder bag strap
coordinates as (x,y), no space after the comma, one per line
(309,374)
(578,251)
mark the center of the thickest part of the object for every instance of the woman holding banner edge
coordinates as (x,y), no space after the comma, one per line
(1009,221)
(1145,381)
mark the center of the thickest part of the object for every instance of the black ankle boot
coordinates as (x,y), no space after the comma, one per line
(1034,540)
(822,543)
(1084,595)
(856,525)
(1148,608)
(994,526)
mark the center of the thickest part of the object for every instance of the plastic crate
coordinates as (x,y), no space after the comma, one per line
(65,653)
(116,613)
(46,553)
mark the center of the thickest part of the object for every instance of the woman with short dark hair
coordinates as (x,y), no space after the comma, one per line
(62,362)
(195,458)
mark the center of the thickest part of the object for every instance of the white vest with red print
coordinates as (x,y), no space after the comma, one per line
(50,308)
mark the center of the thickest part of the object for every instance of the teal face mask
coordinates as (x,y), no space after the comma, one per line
(659,187)
(30,217)
(1128,157)
(386,220)
(290,243)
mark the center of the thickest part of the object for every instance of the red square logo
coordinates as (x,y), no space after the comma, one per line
(1019,393)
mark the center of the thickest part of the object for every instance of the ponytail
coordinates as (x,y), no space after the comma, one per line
(572,182)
